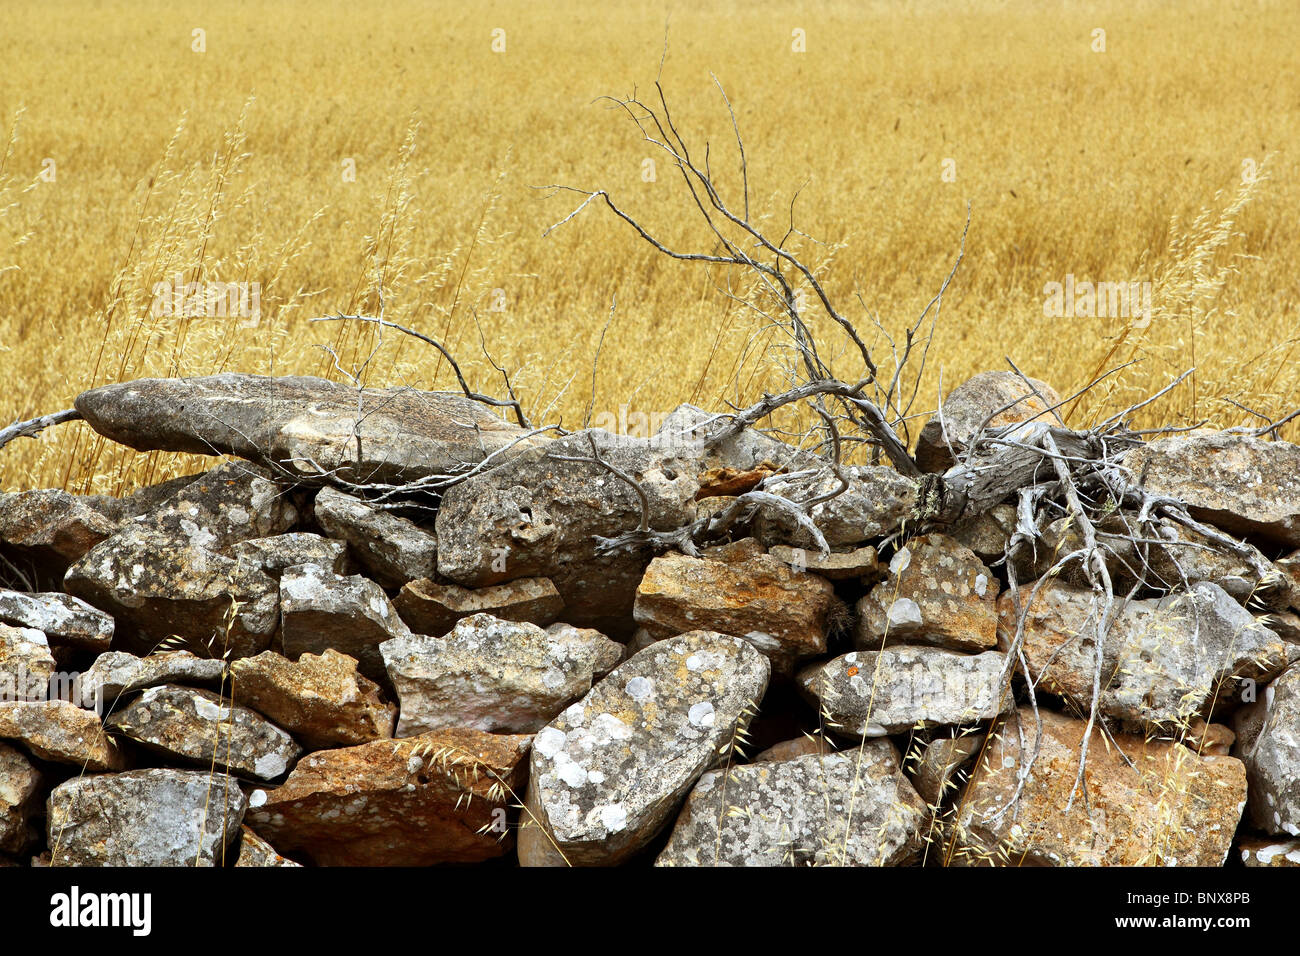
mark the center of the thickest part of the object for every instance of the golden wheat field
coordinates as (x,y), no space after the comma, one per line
(348,156)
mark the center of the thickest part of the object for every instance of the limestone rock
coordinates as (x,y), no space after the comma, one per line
(118,673)
(798,747)
(20,784)
(144,818)
(274,555)
(62,618)
(413,802)
(1258,851)
(256,852)
(968,406)
(493,675)
(938,771)
(392,548)
(1174,809)
(1268,741)
(611,770)
(853,808)
(321,699)
(61,732)
(877,502)
(52,526)
(836,566)
(26,664)
(430,608)
(874,693)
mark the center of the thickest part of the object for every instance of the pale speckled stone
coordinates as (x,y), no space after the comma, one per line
(392,548)
(1268,741)
(117,673)
(63,618)
(277,553)
(61,732)
(256,852)
(19,786)
(26,664)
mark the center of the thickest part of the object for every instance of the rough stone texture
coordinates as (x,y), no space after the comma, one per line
(117,673)
(969,404)
(321,699)
(798,747)
(781,612)
(1206,738)
(986,533)
(538,515)
(493,675)
(303,424)
(203,727)
(734,552)
(61,732)
(352,615)
(144,818)
(412,802)
(1244,485)
(937,592)
(1268,741)
(62,618)
(274,555)
(874,693)
(937,771)
(20,784)
(853,808)
(685,429)
(26,664)
(836,566)
(609,772)
(877,502)
(53,526)
(156,586)
(233,502)
(1232,573)
(430,608)
(1163,661)
(1174,809)
(1258,851)
(392,548)
(254,851)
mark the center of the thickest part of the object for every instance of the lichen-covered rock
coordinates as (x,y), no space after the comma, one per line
(875,693)
(1164,660)
(156,586)
(1149,802)
(430,608)
(836,566)
(937,592)
(26,664)
(441,797)
(62,618)
(493,675)
(322,700)
(1268,741)
(983,397)
(781,612)
(302,424)
(1244,485)
(199,726)
(1259,852)
(876,502)
(117,673)
(256,852)
(393,549)
(349,614)
(853,808)
(61,732)
(276,554)
(611,770)
(144,818)
(20,784)
(937,771)
(987,533)
(53,527)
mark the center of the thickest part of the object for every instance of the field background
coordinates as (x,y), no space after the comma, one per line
(226,165)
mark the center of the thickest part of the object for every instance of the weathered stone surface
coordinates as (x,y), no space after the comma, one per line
(20,784)
(144,818)
(117,673)
(1258,851)
(430,608)
(321,699)
(798,747)
(52,525)
(937,772)
(780,611)
(877,502)
(1244,485)
(1268,741)
(1163,661)
(493,675)
(274,555)
(61,732)
(986,533)
(156,586)
(254,851)
(304,424)
(539,514)
(874,693)
(853,808)
(611,770)
(937,592)
(26,664)
(1206,738)
(206,728)
(233,502)
(412,802)
(1171,808)
(734,552)
(62,618)
(352,615)
(968,406)
(687,429)
(392,548)
(836,566)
